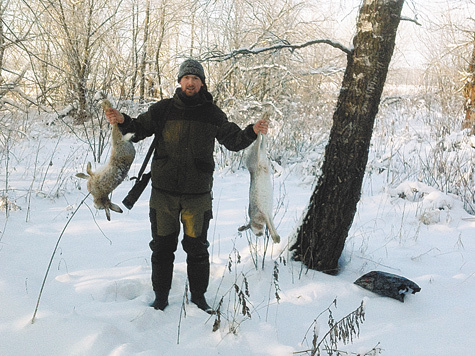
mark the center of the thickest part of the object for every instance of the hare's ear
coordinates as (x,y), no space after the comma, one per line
(82,175)
(113,207)
(116,208)
(89,169)
(108,214)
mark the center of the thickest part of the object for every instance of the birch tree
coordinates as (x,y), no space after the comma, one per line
(322,235)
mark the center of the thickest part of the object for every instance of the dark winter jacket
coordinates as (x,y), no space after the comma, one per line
(183,162)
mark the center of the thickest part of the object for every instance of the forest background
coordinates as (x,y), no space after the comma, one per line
(56,56)
(60,58)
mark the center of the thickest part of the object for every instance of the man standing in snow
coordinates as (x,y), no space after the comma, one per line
(182,176)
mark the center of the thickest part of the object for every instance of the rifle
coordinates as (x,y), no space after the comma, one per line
(141,181)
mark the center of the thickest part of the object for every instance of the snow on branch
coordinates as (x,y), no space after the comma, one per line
(218,56)
(404,18)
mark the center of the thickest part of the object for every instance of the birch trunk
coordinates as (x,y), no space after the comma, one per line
(321,237)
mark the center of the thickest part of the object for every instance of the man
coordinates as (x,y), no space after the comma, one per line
(182,176)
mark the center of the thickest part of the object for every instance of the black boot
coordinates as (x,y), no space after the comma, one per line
(200,301)
(160,302)
(197,261)
(163,256)
(162,275)
(198,278)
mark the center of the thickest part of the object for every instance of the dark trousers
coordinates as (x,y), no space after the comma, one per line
(195,213)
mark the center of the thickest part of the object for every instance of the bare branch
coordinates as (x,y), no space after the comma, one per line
(404,18)
(217,56)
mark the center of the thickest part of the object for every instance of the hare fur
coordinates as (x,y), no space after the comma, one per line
(260,190)
(101,183)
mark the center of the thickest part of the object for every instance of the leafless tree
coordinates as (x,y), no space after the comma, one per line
(14,32)
(469,94)
(447,45)
(143,62)
(332,207)
(70,38)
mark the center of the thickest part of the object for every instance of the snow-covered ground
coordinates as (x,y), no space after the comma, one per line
(96,296)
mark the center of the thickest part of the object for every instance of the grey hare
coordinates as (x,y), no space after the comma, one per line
(102,182)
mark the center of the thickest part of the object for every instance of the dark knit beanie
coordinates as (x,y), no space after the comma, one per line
(190,66)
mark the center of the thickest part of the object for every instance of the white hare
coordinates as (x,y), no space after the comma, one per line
(261,190)
(101,183)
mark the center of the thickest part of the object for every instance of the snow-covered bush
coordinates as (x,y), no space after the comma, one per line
(414,141)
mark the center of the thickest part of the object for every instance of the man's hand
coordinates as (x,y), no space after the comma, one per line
(114,116)
(261,126)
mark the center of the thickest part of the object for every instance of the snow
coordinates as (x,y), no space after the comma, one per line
(96,295)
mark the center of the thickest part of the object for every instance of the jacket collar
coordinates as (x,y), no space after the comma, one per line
(199,99)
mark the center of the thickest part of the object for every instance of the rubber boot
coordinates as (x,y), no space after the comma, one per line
(160,302)
(198,278)
(198,270)
(163,256)
(161,281)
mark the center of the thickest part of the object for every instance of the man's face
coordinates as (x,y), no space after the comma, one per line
(190,84)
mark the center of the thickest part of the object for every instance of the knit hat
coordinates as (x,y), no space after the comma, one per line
(190,66)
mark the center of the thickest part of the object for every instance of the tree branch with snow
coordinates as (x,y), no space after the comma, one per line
(219,56)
